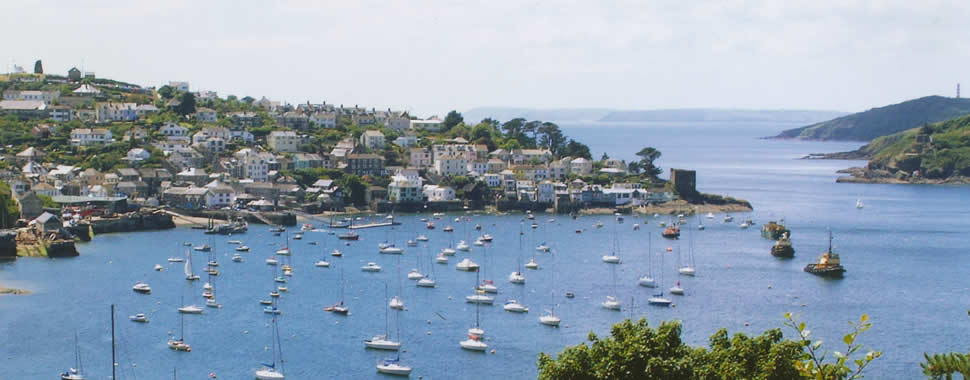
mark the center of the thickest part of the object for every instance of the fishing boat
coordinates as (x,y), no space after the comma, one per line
(269,370)
(448,228)
(828,265)
(141,287)
(76,372)
(140,318)
(671,232)
(179,344)
(783,248)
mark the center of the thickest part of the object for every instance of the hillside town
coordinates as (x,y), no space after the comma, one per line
(78,139)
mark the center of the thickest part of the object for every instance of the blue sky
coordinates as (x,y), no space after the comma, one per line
(433,56)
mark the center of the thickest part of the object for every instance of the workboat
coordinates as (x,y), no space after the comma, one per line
(783,248)
(828,264)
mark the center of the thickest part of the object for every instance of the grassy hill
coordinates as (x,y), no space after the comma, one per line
(883,121)
(935,152)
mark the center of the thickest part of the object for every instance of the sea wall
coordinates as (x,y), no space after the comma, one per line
(132,222)
(8,244)
(274,217)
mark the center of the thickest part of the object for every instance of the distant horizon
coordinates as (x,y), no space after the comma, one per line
(434,56)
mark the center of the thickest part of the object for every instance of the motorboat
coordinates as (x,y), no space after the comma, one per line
(336,253)
(272,310)
(285,251)
(234,242)
(515,307)
(141,287)
(728,218)
(473,344)
(412,243)
(140,318)
(480,299)
(190,309)
(382,342)
(322,264)
(282,288)
(307,227)
(421,238)
(687,271)
(211,302)
(486,238)
(709,215)
(744,225)
(611,259)
(413,274)
(274,294)
(396,303)
(441,259)
(516,278)
(659,300)
(429,225)
(611,303)
(265,302)
(371,267)
(179,345)
(175,259)
(237,258)
(466,265)
(449,251)
(212,263)
(532,264)
(427,282)
(478,242)
(349,236)
(462,246)
(242,248)
(448,229)
(392,250)
(393,367)
(202,248)
(158,267)
(271,261)
(542,247)
(297,236)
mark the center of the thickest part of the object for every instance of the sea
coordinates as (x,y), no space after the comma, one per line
(906,253)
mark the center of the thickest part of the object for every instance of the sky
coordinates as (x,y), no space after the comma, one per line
(429,57)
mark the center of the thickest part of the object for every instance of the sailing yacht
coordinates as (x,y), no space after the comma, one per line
(514,306)
(532,264)
(858,203)
(179,344)
(611,303)
(393,367)
(659,299)
(688,268)
(383,341)
(339,307)
(474,342)
(677,289)
(647,280)
(74,373)
(396,302)
(613,258)
(269,371)
(463,246)
(517,277)
(479,297)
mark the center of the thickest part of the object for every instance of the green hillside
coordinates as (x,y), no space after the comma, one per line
(883,121)
(934,151)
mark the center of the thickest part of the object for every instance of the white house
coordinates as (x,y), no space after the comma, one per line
(436,193)
(406,140)
(432,125)
(419,158)
(372,139)
(138,155)
(283,141)
(255,165)
(492,179)
(219,195)
(324,119)
(108,112)
(206,115)
(580,166)
(477,167)
(88,136)
(450,166)
(546,191)
(173,130)
(404,188)
(242,135)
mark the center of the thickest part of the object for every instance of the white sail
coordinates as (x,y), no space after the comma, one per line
(188,265)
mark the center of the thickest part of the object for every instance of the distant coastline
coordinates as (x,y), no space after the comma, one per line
(656,115)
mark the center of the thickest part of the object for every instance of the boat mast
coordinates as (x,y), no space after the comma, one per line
(830,241)
(113,360)
(387,330)
(77,355)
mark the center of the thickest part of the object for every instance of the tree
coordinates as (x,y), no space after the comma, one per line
(943,366)
(38,67)
(186,104)
(577,149)
(166,91)
(354,189)
(452,119)
(813,363)
(248,99)
(636,351)
(647,156)
(552,138)
(604,157)
(9,212)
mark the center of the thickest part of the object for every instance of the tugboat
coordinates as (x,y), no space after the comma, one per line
(828,264)
(783,248)
(672,232)
(774,231)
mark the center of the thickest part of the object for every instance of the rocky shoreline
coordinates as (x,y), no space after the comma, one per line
(864,175)
(13,291)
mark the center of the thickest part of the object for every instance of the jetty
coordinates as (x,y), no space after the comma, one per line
(374,225)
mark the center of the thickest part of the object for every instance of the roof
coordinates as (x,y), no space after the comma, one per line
(46,216)
(323,183)
(283,133)
(364,156)
(22,105)
(128,172)
(187,191)
(374,133)
(71,199)
(31,152)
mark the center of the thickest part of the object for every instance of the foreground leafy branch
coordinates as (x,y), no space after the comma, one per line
(813,364)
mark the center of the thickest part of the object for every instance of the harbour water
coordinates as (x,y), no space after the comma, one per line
(906,255)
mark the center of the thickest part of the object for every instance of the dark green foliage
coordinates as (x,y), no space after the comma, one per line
(865,126)
(577,149)
(186,104)
(452,119)
(354,189)
(9,212)
(166,92)
(943,366)
(647,156)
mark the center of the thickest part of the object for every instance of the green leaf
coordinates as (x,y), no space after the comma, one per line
(865,317)
(848,339)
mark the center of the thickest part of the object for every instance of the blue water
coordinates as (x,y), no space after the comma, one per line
(906,255)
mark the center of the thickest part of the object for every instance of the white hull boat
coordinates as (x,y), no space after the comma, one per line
(515,307)
(611,303)
(610,259)
(322,264)
(467,265)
